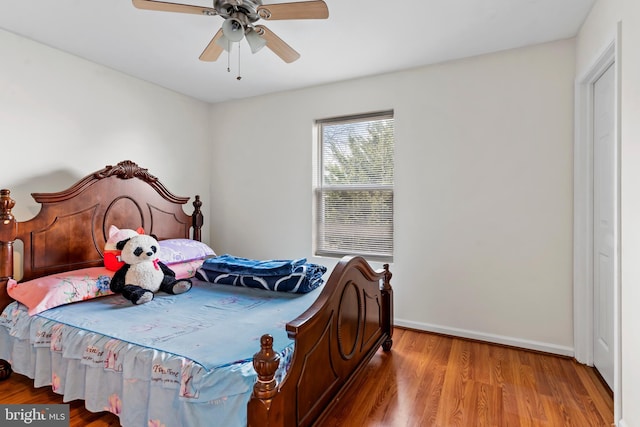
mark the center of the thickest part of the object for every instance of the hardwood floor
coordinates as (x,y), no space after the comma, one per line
(19,389)
(434,380)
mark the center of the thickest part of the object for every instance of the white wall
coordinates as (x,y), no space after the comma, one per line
(483,188)
(483,171)
(62,117)
(597,32)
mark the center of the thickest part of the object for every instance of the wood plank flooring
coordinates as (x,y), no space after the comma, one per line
(433,380)
(19,389)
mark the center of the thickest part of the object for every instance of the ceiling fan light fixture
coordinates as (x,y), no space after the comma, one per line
(240,17)
(224,43)
(255,41)
(233,29)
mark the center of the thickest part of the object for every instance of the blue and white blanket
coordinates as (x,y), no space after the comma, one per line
(295,276)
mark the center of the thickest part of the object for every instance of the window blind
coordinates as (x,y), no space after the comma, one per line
(354,196)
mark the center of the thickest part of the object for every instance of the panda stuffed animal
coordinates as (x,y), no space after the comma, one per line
(142,274)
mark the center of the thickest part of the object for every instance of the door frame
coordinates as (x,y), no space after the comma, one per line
(583,232)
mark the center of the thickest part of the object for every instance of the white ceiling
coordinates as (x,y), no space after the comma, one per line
(360,38)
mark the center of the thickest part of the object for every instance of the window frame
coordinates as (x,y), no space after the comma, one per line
(320,188)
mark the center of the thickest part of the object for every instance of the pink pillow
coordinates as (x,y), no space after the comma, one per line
(55,290)
(186,270)
(58,289)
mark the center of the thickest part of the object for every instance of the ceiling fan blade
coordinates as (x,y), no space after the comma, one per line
(316,9)
(213,50)
(173,7)
(277,45)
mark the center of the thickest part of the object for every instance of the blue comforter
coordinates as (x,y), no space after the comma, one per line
(250,267)
(295,276)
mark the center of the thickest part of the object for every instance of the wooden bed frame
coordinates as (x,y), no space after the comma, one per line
(334,339)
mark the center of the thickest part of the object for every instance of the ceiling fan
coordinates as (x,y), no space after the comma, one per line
(239,22)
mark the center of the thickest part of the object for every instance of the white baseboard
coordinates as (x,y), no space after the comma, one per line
(621,423)
(497,339)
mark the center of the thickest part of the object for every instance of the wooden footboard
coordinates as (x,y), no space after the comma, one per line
(334,340)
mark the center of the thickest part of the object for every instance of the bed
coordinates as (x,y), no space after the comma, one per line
(294,383)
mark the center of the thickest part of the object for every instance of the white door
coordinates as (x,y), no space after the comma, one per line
(604,217)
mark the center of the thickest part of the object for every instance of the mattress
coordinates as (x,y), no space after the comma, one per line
(179,360)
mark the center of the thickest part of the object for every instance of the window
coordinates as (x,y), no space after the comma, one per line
(354,192)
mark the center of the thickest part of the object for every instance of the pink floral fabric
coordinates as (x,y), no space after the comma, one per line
(58,289)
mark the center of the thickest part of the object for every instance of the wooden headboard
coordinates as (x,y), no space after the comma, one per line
(71,228)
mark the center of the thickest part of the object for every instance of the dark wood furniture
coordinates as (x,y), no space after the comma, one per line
(334,338)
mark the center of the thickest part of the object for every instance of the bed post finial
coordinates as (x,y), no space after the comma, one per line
(197,219)
(387,277)
(8,234)
(6,204)
(266,362)
(262,407)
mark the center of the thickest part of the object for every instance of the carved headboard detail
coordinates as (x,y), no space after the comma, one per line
(71,228)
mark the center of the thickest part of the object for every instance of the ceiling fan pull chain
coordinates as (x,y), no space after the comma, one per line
(228,56)
(239,76)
